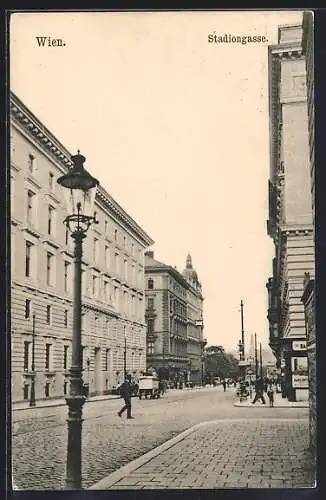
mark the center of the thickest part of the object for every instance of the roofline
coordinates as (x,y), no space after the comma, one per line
(19,113)
(291,25)
(175,274)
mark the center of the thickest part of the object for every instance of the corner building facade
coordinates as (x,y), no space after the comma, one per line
(113,302)
(290,223)
(174,317)
(309,296)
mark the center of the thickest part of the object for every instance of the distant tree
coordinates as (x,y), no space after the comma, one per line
(218,363)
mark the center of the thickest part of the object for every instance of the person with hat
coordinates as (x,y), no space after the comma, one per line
(126,390)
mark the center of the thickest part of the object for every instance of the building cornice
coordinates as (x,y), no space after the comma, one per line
(99,308)
(176,275)
(294,230)
(21,115)
(171,271)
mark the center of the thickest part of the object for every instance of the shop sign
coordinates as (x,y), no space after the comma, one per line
(299,345)
(300,382)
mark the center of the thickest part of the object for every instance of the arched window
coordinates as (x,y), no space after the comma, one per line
(150,284)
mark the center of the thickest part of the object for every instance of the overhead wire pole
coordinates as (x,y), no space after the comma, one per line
(261,361)
(256,357)
(242,363)
(241,345)
(242,334)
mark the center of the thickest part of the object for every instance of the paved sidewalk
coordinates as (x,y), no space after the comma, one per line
(241,453)
(279,402)
(57,402)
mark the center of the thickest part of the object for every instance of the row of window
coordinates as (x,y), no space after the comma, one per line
(32,168)
(30,268)
(48,363)
(48,358)
(175,347)
(178,288)
(49,317)
(28,313)
(177,308)
(31,211)
(47,387)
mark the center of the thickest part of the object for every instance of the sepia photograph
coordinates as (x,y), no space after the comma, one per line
(162,250)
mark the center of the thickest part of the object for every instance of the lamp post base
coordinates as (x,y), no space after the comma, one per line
(75,405)
(32,401)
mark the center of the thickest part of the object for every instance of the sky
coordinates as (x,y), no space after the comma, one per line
(175,128)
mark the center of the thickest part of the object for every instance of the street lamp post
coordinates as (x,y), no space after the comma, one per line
(32,401)
(80,190)
(125,353)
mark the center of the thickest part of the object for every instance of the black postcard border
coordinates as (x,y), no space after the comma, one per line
(320,243)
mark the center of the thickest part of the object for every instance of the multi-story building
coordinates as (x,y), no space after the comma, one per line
(308,297)
(290,221)
(113,305)
(174,316)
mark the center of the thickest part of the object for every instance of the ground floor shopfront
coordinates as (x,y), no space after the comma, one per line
(177,370)
(308,300)
(294,369)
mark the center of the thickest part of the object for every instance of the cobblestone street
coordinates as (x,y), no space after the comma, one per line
(226,454)
(39,435)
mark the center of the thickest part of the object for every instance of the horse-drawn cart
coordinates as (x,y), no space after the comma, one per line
(148,386)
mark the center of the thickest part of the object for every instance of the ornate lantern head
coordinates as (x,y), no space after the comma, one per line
(80,195)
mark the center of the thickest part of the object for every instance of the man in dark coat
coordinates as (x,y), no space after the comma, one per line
(259,389)
(126,392)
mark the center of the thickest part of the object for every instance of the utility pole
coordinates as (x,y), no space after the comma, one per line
(261,361)
(256,357)
(243,390)
(242,334)
(32,401)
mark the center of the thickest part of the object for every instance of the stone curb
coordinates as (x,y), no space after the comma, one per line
(281,405)
(127,469)
(60,403)
(63,403)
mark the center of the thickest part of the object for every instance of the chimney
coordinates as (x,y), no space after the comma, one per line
(150,254)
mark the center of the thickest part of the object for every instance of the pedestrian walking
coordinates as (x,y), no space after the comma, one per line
(259,391)
(224,385)
(270,394)
(126,392)
(161,387)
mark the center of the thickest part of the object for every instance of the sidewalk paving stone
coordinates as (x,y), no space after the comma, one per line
(279,402)
(207,456)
